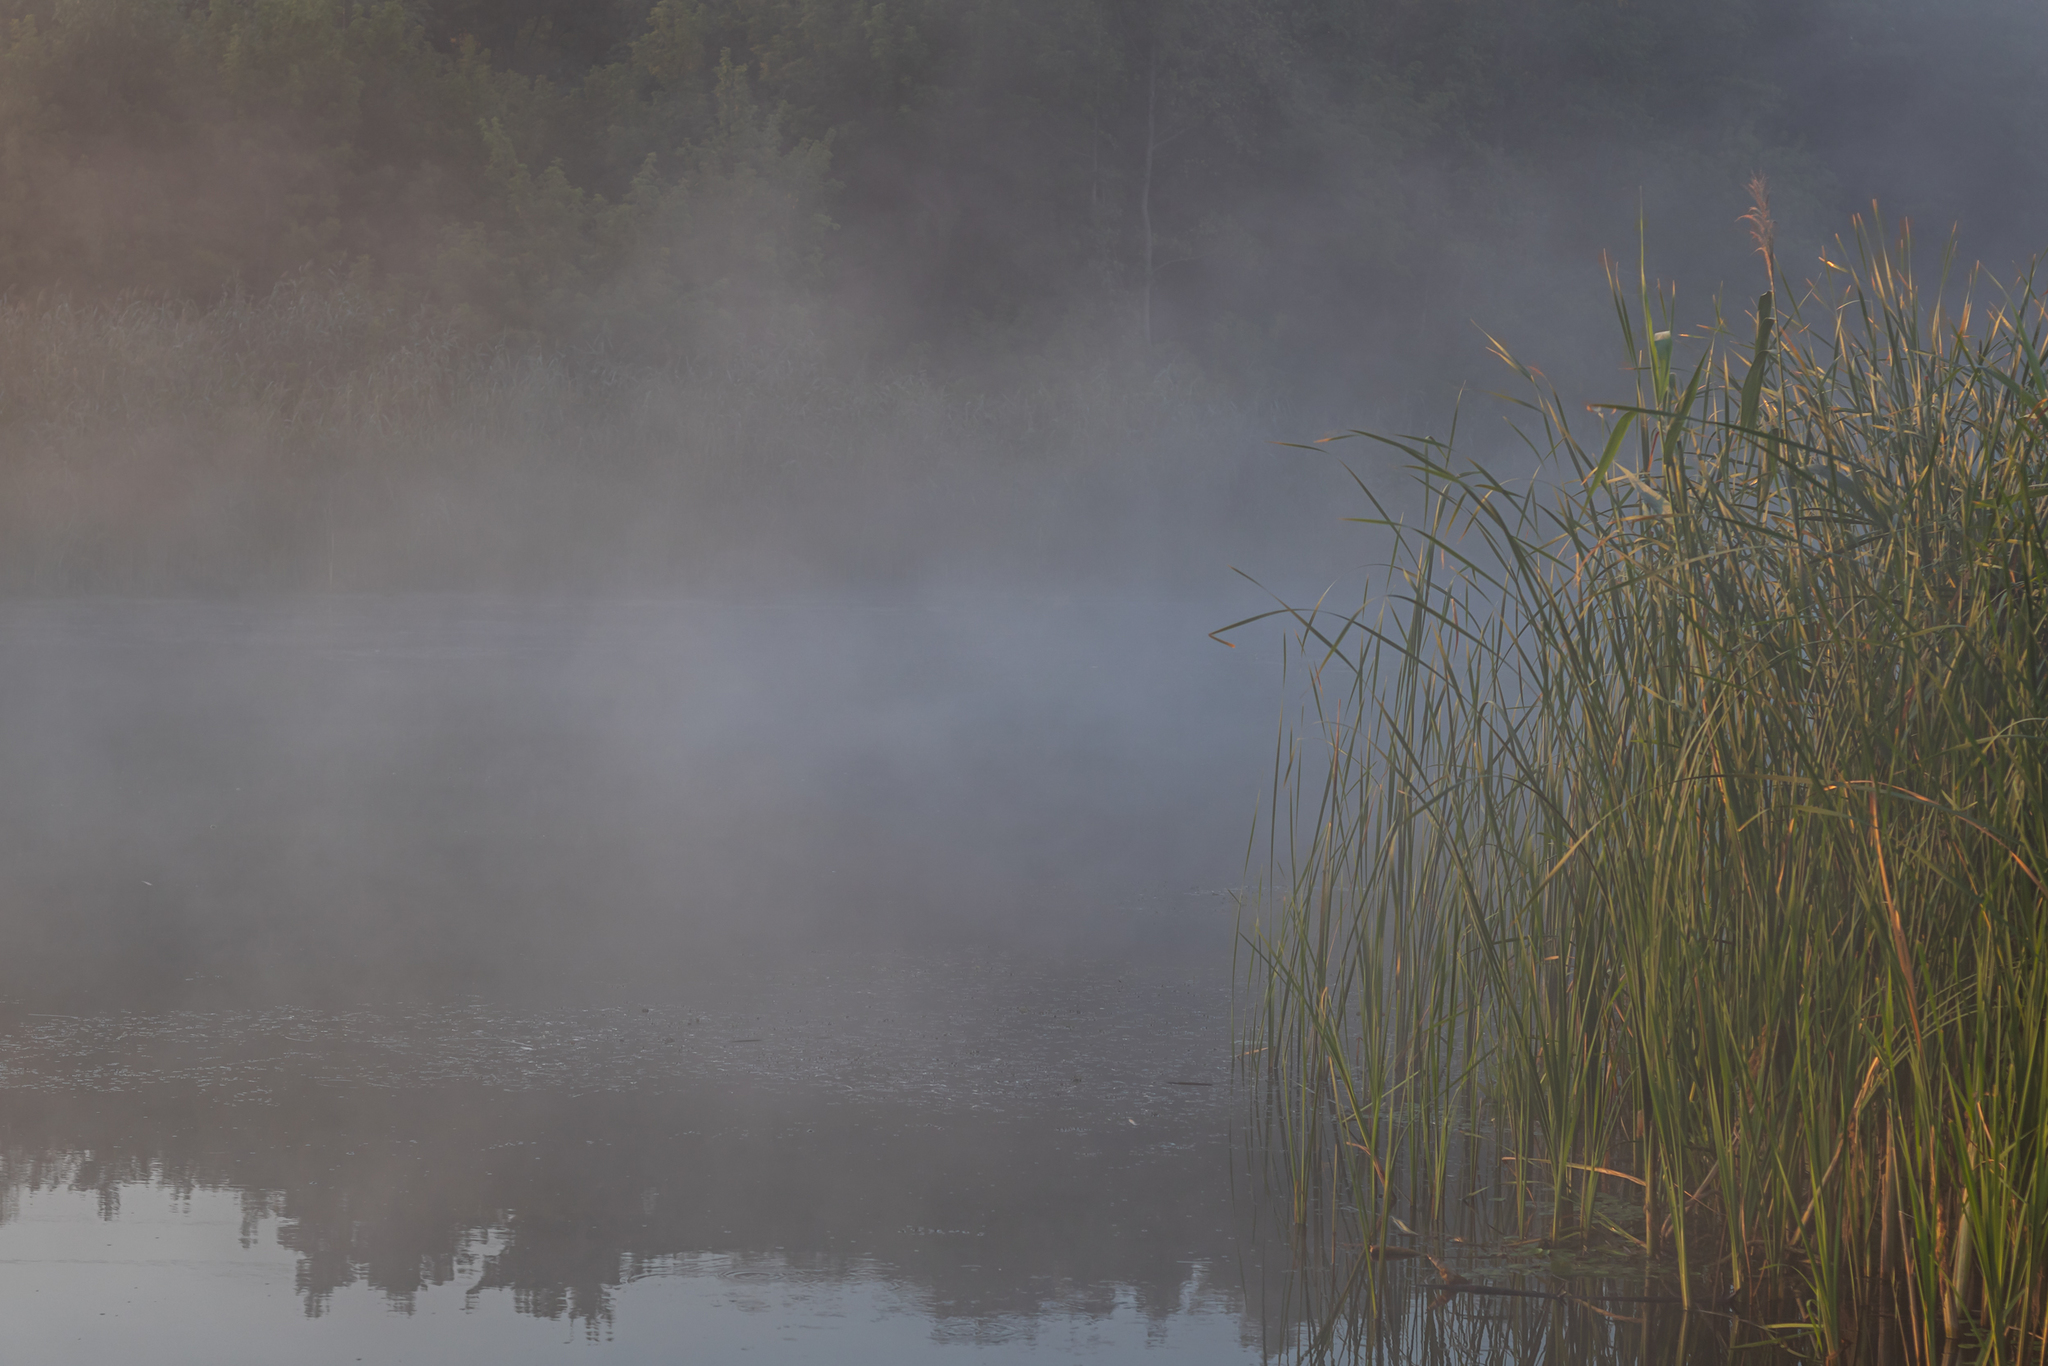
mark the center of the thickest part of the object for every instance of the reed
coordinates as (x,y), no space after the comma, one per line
(1669,834)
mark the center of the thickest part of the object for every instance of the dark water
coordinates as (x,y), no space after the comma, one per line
(442,980)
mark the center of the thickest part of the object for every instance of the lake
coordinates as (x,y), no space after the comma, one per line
(446,979)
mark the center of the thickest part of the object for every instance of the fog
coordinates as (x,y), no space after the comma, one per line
(369,796)
(348,659)
(365,641)
(514,521)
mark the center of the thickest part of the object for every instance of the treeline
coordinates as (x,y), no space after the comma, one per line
(948,168)
(375,293)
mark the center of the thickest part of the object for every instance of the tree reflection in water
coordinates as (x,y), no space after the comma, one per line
(1045,1165)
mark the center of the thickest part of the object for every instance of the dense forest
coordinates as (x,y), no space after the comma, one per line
(229,227)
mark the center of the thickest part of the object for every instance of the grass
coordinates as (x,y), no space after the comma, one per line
(1668,836)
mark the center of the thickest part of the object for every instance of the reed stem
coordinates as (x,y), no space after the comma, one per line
(1683,814)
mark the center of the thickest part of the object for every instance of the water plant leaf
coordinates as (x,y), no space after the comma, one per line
(1611,449)
(1753,383)
(1675,830)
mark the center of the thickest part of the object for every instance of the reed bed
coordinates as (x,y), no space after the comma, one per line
(1660,862)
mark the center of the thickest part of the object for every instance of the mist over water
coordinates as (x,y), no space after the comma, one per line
(842,978)
(845,979)
(608,730)
(353,799)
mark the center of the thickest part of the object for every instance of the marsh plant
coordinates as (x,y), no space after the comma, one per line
(1663,849)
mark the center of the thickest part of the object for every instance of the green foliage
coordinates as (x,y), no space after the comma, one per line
(1675,825)
(981,156)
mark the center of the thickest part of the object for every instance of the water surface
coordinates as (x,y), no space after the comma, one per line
(448,979)
(1018,1164)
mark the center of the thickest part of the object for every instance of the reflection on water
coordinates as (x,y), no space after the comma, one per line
(1011,1160)
(838,983)
(1414,1322)
(694,1309)
(909,1162)
(1515,1304)
(618,970)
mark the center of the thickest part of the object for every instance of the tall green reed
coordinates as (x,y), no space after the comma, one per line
(1676,826)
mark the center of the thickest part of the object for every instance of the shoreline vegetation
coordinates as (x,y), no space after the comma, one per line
(1658,868)
(546,295)
(326,436)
